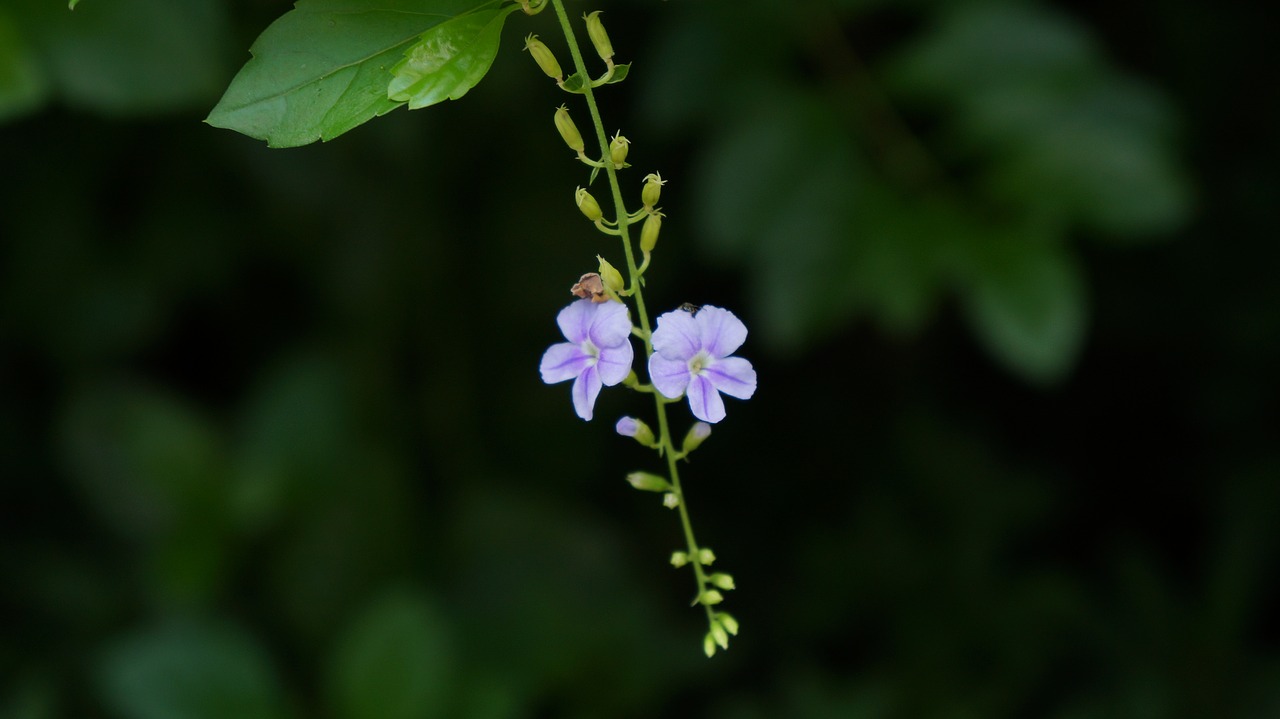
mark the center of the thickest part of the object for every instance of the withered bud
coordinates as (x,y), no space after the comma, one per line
(590,287)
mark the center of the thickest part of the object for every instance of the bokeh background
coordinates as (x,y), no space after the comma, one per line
(273,442)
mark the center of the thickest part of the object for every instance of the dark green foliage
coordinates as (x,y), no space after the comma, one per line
(273,444)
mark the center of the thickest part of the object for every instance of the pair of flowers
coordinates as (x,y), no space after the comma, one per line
(692,355)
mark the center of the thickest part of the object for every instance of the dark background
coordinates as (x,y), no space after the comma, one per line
(273,442)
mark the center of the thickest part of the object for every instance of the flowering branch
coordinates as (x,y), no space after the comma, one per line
(690,352)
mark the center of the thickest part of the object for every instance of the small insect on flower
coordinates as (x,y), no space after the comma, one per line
(691,308)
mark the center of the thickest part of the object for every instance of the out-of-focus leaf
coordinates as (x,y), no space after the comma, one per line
(395,662)
(144,459)
(157,471)
(131,57)
(1058,135)
(1097,160)
(980,46)
(190,671)
(785,219)
(324,67)
(1026,302)
(295,439)
(449,59)
(23,86)
(898,257)
(28,698)
(787,195)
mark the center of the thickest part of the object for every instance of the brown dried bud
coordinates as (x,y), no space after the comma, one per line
(590,287)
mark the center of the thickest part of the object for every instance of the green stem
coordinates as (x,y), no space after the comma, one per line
(620,212)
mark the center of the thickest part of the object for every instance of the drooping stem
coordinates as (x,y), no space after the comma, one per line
(620,212)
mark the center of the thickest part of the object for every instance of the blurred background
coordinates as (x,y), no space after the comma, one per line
(273,442)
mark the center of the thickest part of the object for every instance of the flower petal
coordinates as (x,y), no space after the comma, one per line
(721,331)
(575,320)
(669,377)
(615,362)
(585,390)
(610,324)
(734,376)
(704,401)
(563,361)
(677,336)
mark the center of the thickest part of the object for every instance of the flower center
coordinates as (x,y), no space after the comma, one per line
(590,348)
(700,362)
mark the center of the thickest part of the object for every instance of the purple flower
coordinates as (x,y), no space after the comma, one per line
(691,354)
(598,351)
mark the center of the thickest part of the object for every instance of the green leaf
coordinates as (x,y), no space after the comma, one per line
(449,59)
(574,83)
(129,57)
(190,672)
(145,459)
(396,662)
(1027,303)
(323,67)
(619,73)
(23,86)
(577,84)
(71,5)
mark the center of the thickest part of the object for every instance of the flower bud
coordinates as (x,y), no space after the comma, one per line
(610,275)
(649,232)
(722,580)
(618,150)
(587,204)
(568,130)
(721,636)
(632,427)
(670,500)
(679,559)
(710,597)
(706,557)
(542,55)
(653,183)
(709,645)
(647,482)
(729,623)
(696,435)
(599,38)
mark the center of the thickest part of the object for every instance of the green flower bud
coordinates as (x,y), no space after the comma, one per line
(730,624)
(568,130)
(647,482)
(637,430)
(653,183)
(599,38)
(709,645)
(706,557)
(670,500)
(649,232)
(543,56)
(722,580)
(710,597)
(587,204)
(696,435)
(618,150)
(679,559)
(721,636)
(611,276)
